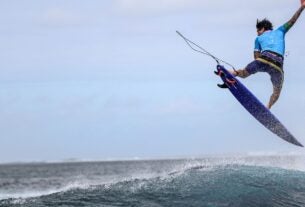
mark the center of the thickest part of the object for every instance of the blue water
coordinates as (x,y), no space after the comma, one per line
(212,182)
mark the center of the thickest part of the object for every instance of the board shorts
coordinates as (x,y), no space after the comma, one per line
(270,63)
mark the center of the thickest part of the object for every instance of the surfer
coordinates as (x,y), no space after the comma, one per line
(269,50)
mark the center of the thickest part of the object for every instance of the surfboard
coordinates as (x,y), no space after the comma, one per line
(255,107)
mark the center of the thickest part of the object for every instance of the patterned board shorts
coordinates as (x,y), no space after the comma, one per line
(276,75)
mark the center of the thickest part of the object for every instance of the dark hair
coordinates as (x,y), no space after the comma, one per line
(265,23)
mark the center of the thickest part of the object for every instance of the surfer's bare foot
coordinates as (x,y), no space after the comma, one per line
(233,72)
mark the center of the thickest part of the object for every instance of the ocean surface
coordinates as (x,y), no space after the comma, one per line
(212,181)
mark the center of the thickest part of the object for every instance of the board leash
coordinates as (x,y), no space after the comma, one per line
(201,50)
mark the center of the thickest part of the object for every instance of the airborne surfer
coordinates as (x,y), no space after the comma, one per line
(269,50)
(268,54)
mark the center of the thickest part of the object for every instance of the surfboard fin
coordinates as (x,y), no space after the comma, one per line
(223,86)
(219,73)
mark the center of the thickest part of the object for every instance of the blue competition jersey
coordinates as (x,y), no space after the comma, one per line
(273,40)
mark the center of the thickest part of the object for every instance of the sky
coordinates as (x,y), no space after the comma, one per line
(96,80)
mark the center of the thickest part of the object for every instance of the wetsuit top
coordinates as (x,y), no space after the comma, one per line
(272,40)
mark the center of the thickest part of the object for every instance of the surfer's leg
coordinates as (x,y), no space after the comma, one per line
(250,69)
(243,73)
(277,79)
(274,97)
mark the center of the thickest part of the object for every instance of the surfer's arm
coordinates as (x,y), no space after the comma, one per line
(257,48)
(295,17)
(257,54)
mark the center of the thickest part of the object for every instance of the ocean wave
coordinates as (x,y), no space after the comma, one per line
(238,181)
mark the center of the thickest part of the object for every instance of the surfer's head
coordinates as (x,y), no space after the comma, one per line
(263,25)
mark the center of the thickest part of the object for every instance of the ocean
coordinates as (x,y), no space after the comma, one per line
(211,181)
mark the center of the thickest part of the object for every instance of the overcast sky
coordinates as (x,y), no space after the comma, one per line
(112,80)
